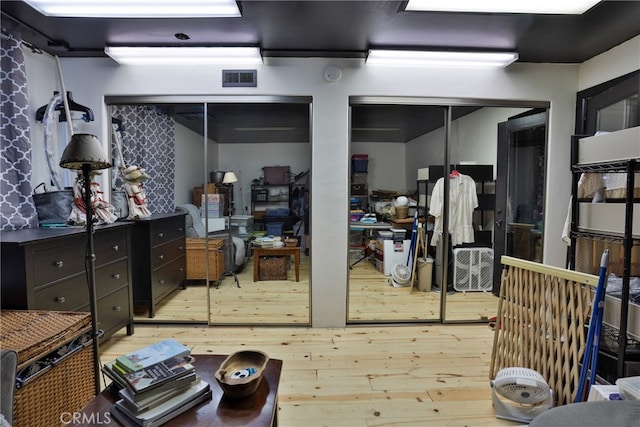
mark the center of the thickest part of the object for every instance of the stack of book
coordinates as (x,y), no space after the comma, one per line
(155,384)
(267,242)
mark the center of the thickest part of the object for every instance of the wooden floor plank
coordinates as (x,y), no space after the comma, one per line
(287,302)
(414,375)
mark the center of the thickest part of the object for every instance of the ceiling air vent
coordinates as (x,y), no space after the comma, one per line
(239,78)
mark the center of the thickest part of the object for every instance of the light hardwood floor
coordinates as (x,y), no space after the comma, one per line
(429,375)
(286,302)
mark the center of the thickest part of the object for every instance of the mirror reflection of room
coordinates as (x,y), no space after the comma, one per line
(246,229)
(397,259)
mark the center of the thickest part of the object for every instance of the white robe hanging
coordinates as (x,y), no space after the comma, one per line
(463,199)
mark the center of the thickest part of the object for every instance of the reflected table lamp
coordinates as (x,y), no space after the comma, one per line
(85,153)
(228,179)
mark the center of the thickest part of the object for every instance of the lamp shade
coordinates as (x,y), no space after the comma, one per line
(229,178)
(83,149)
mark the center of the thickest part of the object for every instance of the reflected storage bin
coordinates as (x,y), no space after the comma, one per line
(385,235)
(356,215)
(274,175)
(355,253)
(359,163)
(359,178)
(272,268)
(197,258)
(356,237)
(242,224)
(274,228)
(55,364)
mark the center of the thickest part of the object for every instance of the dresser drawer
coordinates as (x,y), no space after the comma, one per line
(166,229)
(54,262)
(69,295)
(166,253)
(111,277)
(167,278)
(44,269)
(158,260)
(113,309)
(110,246)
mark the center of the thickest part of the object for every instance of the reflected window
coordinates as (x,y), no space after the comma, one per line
(620,115)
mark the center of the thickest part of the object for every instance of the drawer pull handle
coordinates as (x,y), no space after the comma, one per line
(161,282)
(116,276)
(117,308)
(160,234)
(115,248)
(61,300)
(161,256)
(59,264)
(180,229)
(181,248)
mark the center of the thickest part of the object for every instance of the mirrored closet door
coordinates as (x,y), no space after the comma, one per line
(187,146)
(450,175)
(389,143)
(151,139)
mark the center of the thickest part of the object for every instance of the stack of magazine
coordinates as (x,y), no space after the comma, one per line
(265,242)
(155,384)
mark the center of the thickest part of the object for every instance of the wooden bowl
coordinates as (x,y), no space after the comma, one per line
(291,242)
(240,373)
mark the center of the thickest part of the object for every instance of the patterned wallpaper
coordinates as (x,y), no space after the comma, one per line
(148,140)
(16,203)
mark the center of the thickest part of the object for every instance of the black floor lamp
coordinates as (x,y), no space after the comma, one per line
(84,152)
(230,178)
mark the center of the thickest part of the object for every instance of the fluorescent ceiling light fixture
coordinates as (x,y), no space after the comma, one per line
(376,129)
(184,55)
(137,8)
(440,58)
(266,129)
(564,7)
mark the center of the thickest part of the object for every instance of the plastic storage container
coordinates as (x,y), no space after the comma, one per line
(629,387)
(359,163)
(385,235)
(274,228)
(398,233)
(356,238)
(275,175)
(356,215)
(243,224)
(359,177)
(273,212)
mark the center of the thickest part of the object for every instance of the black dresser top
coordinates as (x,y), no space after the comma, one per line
(29,235)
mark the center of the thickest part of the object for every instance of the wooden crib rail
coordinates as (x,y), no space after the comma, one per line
(541,321)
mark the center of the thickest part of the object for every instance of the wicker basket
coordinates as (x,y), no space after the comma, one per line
(49,391)
(196,258)
(273,268)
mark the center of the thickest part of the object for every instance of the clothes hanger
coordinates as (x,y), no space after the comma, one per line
(73,106)
(118,123)
(454,173)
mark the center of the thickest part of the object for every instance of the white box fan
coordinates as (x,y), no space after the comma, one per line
(472,269)
(520,394)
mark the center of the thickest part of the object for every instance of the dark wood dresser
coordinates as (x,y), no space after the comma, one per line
(44,269)
(159,263)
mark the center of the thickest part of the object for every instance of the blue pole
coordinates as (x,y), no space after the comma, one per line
(592,346)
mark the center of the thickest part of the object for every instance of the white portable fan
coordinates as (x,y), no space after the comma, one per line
(400,275)
(472,269)
(520,394)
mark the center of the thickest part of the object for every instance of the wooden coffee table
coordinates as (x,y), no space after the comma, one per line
(259,409)
(285,250)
